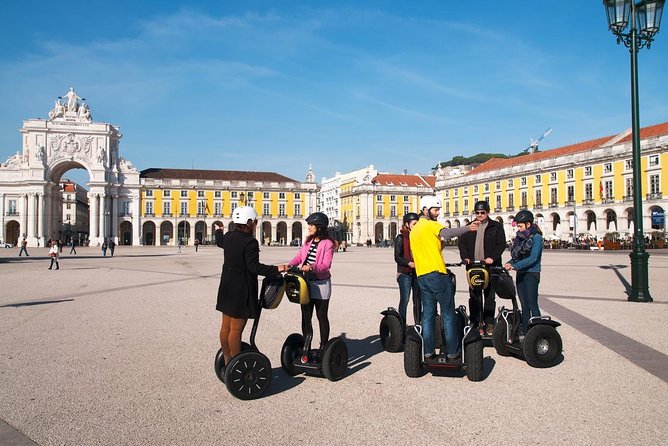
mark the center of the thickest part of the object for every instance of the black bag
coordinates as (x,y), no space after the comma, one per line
(503,283)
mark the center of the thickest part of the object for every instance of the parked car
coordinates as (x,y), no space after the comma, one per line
(6,245)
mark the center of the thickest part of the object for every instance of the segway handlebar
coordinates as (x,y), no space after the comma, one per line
(450,265)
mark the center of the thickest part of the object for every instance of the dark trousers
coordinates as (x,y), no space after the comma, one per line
(527,289)
(489,305)
(408,283)
(321,307)
(53,260)
(23,249)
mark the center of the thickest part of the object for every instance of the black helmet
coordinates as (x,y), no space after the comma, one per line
(410,217)
(318,219)
(481,205)
(523,217)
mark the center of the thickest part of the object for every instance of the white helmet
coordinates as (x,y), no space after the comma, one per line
(430,201)
(242,214)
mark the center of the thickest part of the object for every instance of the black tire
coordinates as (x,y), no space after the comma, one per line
(391,333)
(248,375)
(542,346)
(500,337)
(293,348)
(473,360)
(413,364)
(219,365)
(334,359)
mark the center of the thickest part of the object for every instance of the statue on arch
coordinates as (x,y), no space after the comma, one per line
(84,113)
(58,110)
(72,100)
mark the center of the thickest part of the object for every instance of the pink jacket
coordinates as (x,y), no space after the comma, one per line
(323,258)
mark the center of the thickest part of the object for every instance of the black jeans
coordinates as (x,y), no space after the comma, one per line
(321,308)
(489,305)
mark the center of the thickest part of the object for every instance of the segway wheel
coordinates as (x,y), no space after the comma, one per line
(473,360)
(248,375)
(391,333)
(542,346)
(292,349)
(500,338)
(219,365)
(413,365)
(334,359)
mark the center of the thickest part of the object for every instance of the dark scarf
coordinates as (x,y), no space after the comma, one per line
(523,242)
(407,249)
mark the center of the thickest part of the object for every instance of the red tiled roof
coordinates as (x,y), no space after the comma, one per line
(500,163)
(221,175)
(390,179)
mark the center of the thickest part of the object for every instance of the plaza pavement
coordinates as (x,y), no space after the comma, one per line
(119,351)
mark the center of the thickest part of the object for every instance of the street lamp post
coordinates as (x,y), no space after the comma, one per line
(645,19)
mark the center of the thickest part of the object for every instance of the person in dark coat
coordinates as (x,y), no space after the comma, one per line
(487,245)
(238,290)
(406,277)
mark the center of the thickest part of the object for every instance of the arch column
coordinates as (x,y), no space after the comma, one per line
(102,217)
(273,233)
(41,217)
(32,219)
(2,217)
(23,212)
(114,218)
(92,215)
(136,222)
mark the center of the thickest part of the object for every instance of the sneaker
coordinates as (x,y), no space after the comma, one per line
(489,329)
(430,359)
(454,356)
(521,338)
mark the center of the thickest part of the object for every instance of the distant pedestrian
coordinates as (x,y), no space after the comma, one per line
(196,244)
(24,245)
(180,245)
(368,243)
(54,253)
(112,247)
(104,248)
(73,247)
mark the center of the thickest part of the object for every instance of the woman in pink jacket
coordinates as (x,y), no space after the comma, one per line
(315,259)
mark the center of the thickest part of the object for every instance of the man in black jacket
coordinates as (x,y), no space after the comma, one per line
(487,245)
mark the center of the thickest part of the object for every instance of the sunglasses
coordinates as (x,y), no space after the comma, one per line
(480,212)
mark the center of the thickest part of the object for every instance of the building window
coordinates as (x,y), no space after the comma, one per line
(184,194)
(393,198)
(11,207)
(217,208)
(379,198)
(569,174)
(553,195)
(537,179)
(570,194)
(523,198)
(166,208)
(587,171)
(607,190)
(217,194)
(498,185)
(234,194)
(539,198)
(406,196)
(456,207)
(607,168)
(511,200)
(184,208)
(510,182)
(379,210)
(265,195)
(125,207)
(466,206)
(486,187)
(250,196)
(456,192)
(167,193)
(265,209)
(553,176)
(406,208)
(298,196)
(523,181)
(393,211)
(498,202)
(69,206)
(281,195)
(466,190)
(654,185)
(589,191)
(200,194)
(201,207)
(233,206)
(629,187)
(653,160)
(628,164)
(149,207)
(281,209)
(447,208)
(475,189)
(149,193)
(298,209)
(447,194)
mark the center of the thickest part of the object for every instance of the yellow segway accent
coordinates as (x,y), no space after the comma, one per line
(478,278)
(296,288)
(272,292)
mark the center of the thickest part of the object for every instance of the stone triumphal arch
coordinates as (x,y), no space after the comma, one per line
(30,193)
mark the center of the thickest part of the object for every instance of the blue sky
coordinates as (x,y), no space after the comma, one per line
(279,85)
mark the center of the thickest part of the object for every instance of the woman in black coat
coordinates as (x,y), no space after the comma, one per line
(238,290)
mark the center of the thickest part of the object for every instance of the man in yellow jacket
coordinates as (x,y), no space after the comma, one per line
(435,284)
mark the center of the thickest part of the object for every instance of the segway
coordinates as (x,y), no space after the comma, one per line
(477,275)
(297,356)
(470,361)
(248,375)
(393,327)
(542,345)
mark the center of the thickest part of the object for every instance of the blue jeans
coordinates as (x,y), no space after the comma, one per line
(407,282)
(437,288)
(527,289)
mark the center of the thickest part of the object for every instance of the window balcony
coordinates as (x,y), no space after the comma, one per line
(588,202)
(184,215)
(628,198)
(510,208)
(524,207)
(455,214)
(217,214)
(569,203)
(298,215)
(201,215)
(608,200)
(553,205)
(167,214)
(12,214)
(149,214)
(538,206)
(498,209)
(654,196)
(446,214)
